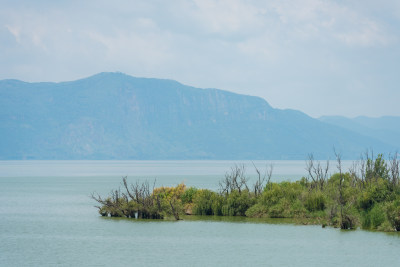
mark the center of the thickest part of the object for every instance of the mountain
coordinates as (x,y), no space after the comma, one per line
(116,116)
(385,129)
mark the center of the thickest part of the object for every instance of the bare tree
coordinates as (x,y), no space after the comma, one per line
(341,200)
(114,203)
(138,201)
(369,166)
(234,180)
(346,221)
(317,172)
(259,185)
(394,170)
(357,174)
(172,203)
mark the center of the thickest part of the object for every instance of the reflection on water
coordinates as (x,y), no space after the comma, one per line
(223,219)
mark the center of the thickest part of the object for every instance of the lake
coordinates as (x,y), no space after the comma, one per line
(48,219)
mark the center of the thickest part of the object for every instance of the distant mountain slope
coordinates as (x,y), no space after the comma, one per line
(116,116)
(385,129)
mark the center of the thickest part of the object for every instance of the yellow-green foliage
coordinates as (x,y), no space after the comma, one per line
(393,213)
(237,203)
(275,193)
(315,201)
(170,192)
(169,199)
(188,195)
(279,200)
(375,191)
(376,168)
(204,202)
(378,215)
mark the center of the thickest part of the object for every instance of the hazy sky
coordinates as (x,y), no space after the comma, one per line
(321,57)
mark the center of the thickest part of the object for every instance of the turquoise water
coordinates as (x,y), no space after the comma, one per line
(48,219)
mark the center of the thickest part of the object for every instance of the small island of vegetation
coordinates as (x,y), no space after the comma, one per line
(366,196)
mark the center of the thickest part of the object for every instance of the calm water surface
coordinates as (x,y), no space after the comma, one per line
(47,219)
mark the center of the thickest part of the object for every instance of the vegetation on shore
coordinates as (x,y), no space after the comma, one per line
(366,196)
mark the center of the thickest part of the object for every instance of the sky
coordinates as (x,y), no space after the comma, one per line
(321,57)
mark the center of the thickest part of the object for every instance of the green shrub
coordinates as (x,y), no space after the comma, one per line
(378,216)
(237,203)
(375,192)
(315,201)
(376,168)
(386,226)
(280,201)
(284,190)
(375,217)
(207,202)
(348,218)
(276,211)
(187,196)
(202,201)
(257,210)
(297,209)
(365,220)
(393,213)
(228,210)
(216,206)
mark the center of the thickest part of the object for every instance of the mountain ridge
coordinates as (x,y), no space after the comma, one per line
(384,128)
(117,116)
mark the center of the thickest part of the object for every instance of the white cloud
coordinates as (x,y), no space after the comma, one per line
(15,31)
(260,48)
(147,50)
(274,49)
(324,20)
(227,16)
(368,33)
